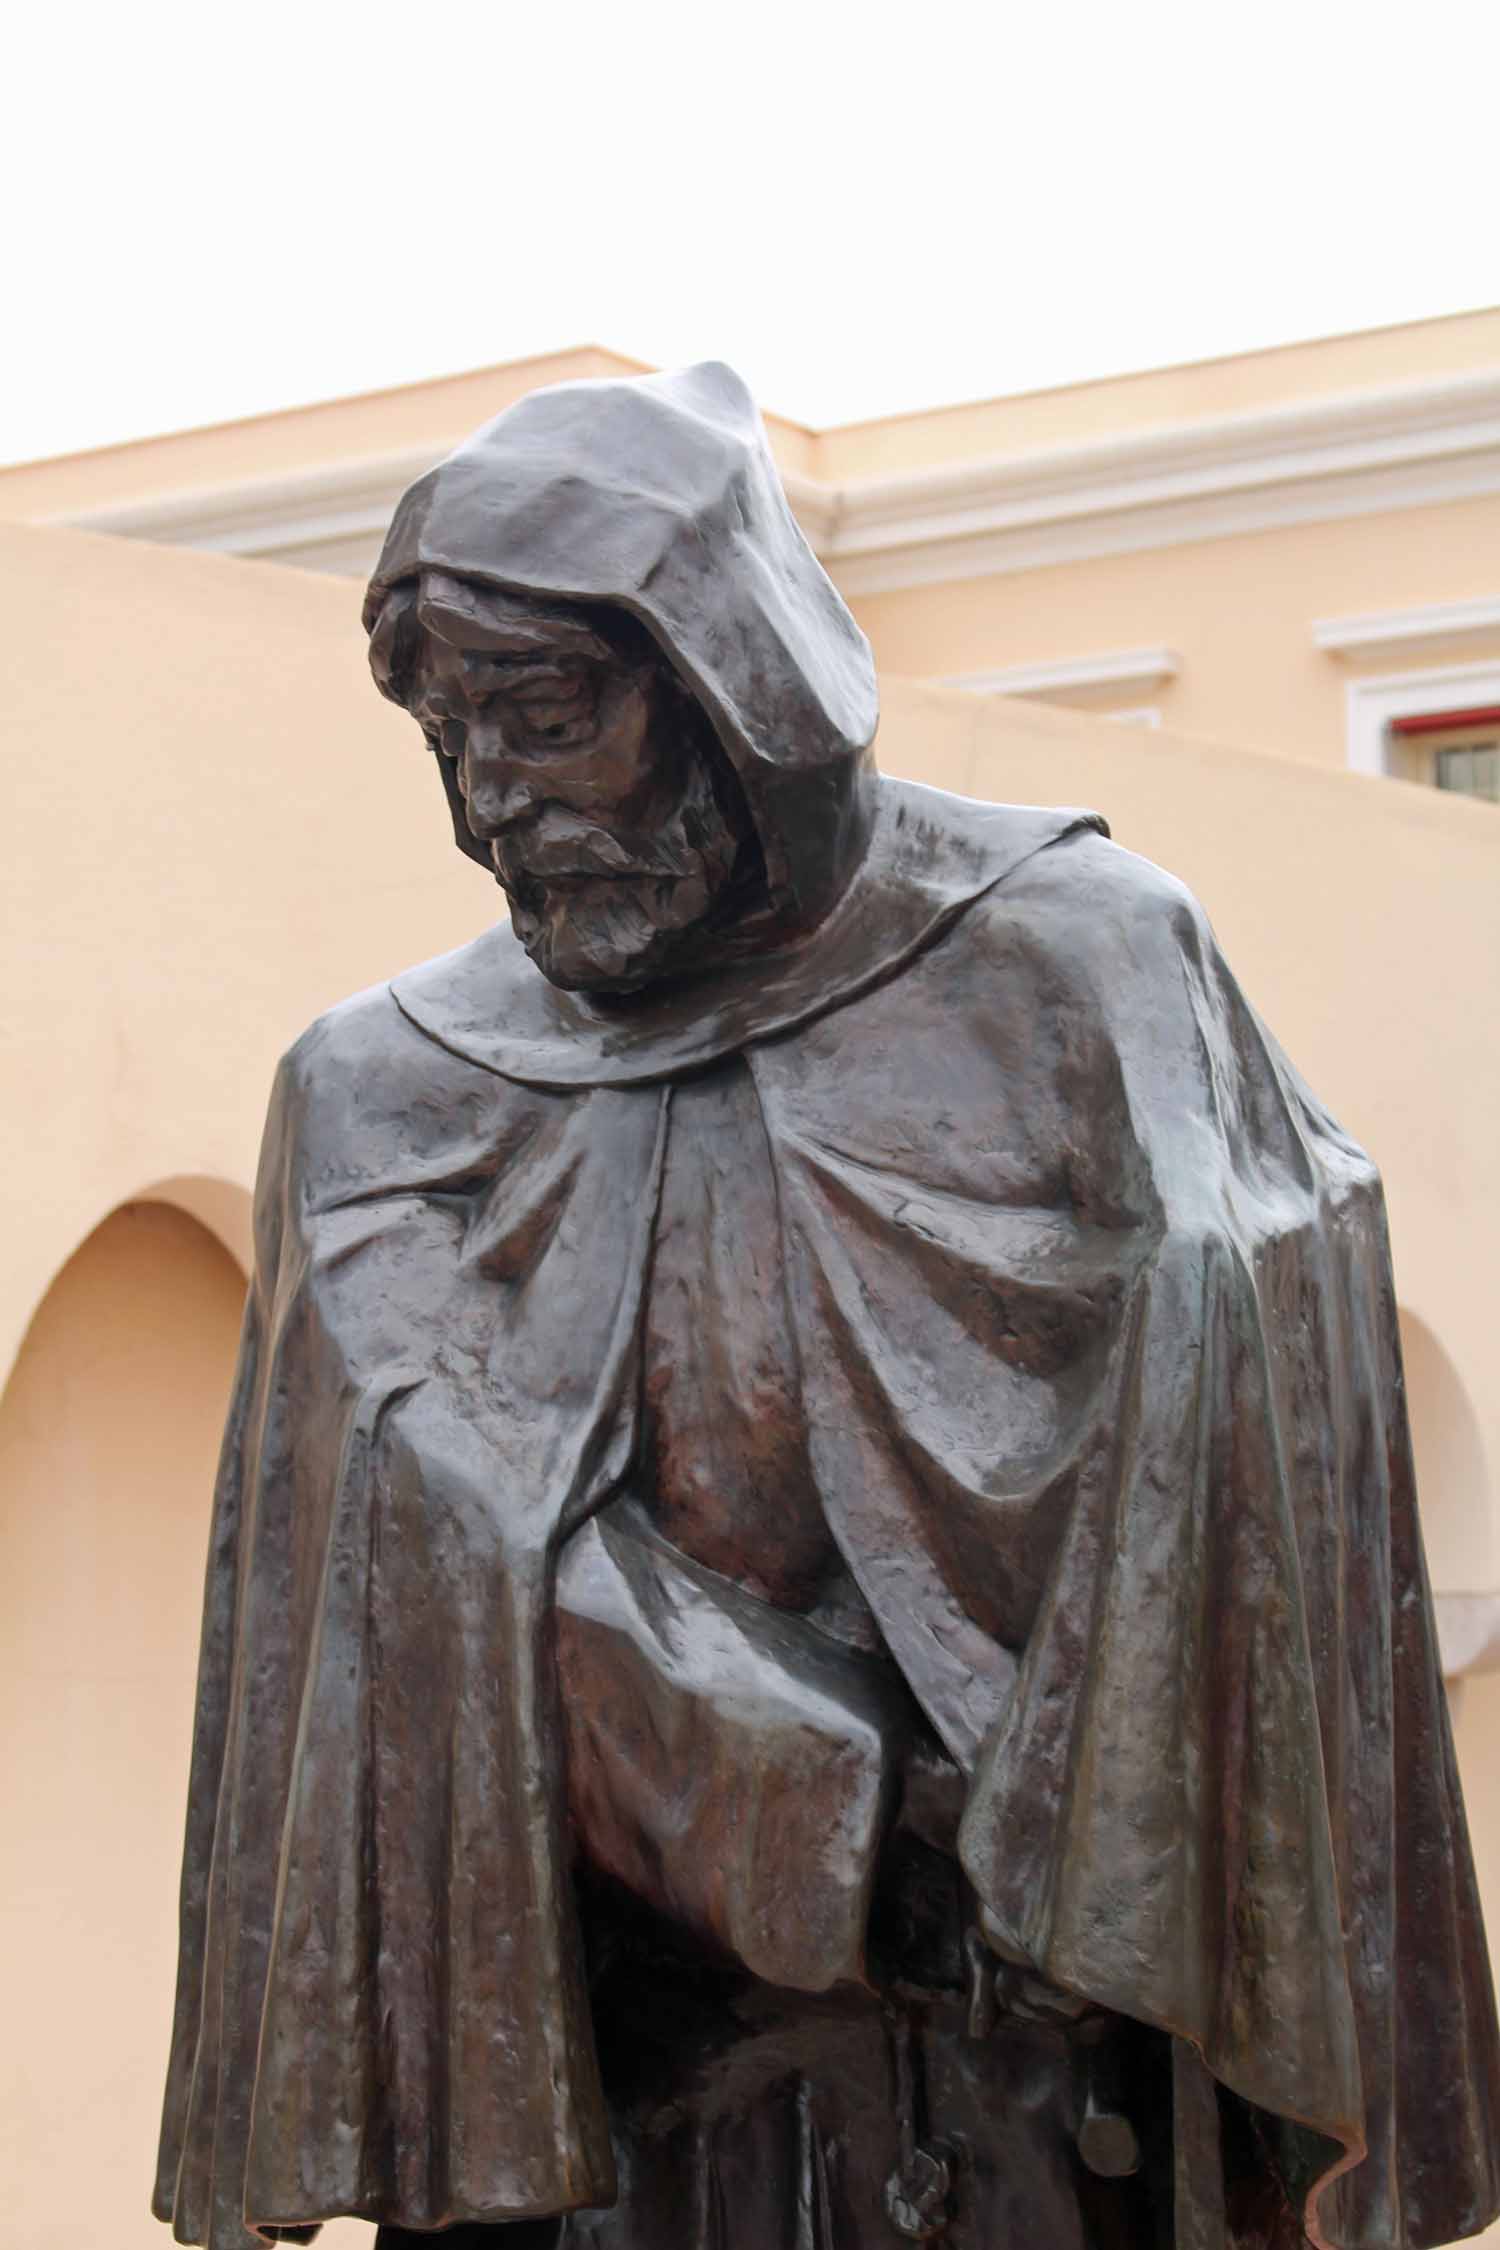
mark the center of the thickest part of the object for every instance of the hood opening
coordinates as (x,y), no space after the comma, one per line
(658,497)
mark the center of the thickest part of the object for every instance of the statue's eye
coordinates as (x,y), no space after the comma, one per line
(555,703)
(560,723)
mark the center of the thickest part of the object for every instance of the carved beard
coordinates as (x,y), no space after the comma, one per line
(604,909)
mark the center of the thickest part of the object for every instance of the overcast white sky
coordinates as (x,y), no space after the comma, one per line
(216,209)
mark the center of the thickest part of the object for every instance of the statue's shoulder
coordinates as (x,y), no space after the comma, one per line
(1083,932)
(364,1063)
(1082,892)
(348,1039)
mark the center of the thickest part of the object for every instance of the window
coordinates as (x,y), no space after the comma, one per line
(1406,723)
(1452,750)
(1473,772)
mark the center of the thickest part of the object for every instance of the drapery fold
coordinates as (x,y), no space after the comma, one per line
(1097,1342)
(381,2005)
(1156,1576)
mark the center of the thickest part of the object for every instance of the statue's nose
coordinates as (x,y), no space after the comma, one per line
(495,792)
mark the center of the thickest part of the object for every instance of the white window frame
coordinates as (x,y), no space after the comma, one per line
(1372,704)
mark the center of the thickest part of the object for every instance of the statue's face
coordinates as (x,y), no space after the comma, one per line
(582,769)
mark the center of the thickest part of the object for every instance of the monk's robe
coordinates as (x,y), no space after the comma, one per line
(951,1340)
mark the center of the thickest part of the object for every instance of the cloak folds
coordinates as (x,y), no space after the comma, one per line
(1097,1332)
(1093,1312)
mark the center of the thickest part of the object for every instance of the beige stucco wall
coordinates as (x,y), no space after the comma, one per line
(217,828)
(108,1433)
(1475,1709)
(1238,612)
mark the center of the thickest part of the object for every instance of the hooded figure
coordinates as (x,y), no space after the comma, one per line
(816,1629)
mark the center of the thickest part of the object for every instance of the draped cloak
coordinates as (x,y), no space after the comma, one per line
(1093,1313)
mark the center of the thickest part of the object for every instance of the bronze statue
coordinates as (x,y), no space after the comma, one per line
(816,1633)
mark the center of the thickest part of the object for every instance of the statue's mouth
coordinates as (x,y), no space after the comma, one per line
(569,862)
(537,884)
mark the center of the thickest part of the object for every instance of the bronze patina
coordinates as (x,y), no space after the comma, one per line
(816,1633)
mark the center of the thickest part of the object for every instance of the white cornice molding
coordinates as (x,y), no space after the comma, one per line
(1408,447)
(1399,448)
(1122,668)
(320,516)
(1402,632)
(817,508)
(271,518)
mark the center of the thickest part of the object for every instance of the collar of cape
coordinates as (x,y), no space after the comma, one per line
(929,857)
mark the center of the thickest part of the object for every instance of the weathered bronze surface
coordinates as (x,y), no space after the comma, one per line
(815,1633)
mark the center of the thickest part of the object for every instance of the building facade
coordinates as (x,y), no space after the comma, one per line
(1295,550)
(1283,572)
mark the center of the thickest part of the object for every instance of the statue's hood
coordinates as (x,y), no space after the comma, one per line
(659,494)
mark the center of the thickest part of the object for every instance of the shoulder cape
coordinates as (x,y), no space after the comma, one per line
(1098,1331)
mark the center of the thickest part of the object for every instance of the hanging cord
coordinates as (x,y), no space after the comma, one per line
(1106,2139)
(919,2193)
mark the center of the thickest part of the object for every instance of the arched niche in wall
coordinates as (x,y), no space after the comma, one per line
(223,1206)
(109,1433)
(1453,1487)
